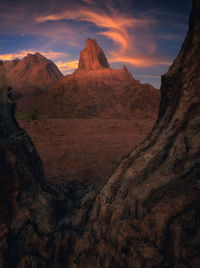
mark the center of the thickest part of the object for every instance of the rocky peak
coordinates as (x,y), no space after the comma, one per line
(92,57)
(36,59)
(34,70)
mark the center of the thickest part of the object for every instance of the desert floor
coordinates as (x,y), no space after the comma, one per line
(85,149)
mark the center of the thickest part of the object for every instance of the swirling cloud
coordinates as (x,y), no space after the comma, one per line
(141,34)
(117,27)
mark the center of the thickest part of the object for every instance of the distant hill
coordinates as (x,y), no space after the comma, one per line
(31,75)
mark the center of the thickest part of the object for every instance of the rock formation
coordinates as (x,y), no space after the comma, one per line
(96,90)
(30,77)
(146,215)
(106,93)
(34,70)
(92,57)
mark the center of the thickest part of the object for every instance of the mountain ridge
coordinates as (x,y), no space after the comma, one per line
(100,91)
(33,71)
(93,90)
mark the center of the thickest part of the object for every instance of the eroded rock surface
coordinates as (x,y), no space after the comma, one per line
(92,57)
(102,93)
(34,70)
(146,215)
(30,77)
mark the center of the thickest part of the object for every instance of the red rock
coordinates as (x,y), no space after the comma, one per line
(32,72)
(92,57)
(94,90)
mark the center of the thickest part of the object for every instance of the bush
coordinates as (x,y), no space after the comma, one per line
(27,116)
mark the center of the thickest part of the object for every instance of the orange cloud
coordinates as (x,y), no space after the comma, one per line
(19,54)
(138,51)
(120,38)
(117,25)
(97,17)
(22,53)
(141,61)
(67,66)
(54,54)
(118,28)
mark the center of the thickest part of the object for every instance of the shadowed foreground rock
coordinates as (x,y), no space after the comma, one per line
(36,217)
(146,215)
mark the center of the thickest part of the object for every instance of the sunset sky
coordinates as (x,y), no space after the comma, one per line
(144,35)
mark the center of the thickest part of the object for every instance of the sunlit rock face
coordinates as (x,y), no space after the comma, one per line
(32,74)
(29,78)
(105,93)
(92,57)
(96,90)
(146,215)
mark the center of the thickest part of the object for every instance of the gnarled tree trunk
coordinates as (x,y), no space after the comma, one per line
(148,213)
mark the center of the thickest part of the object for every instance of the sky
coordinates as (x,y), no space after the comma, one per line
(144,35)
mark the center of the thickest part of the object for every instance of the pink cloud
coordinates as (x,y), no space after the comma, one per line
(67,67)
(120,29)
(141,61)
(133,42)
(22,53)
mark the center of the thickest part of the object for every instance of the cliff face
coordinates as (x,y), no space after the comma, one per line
(92,57)
(146,215)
